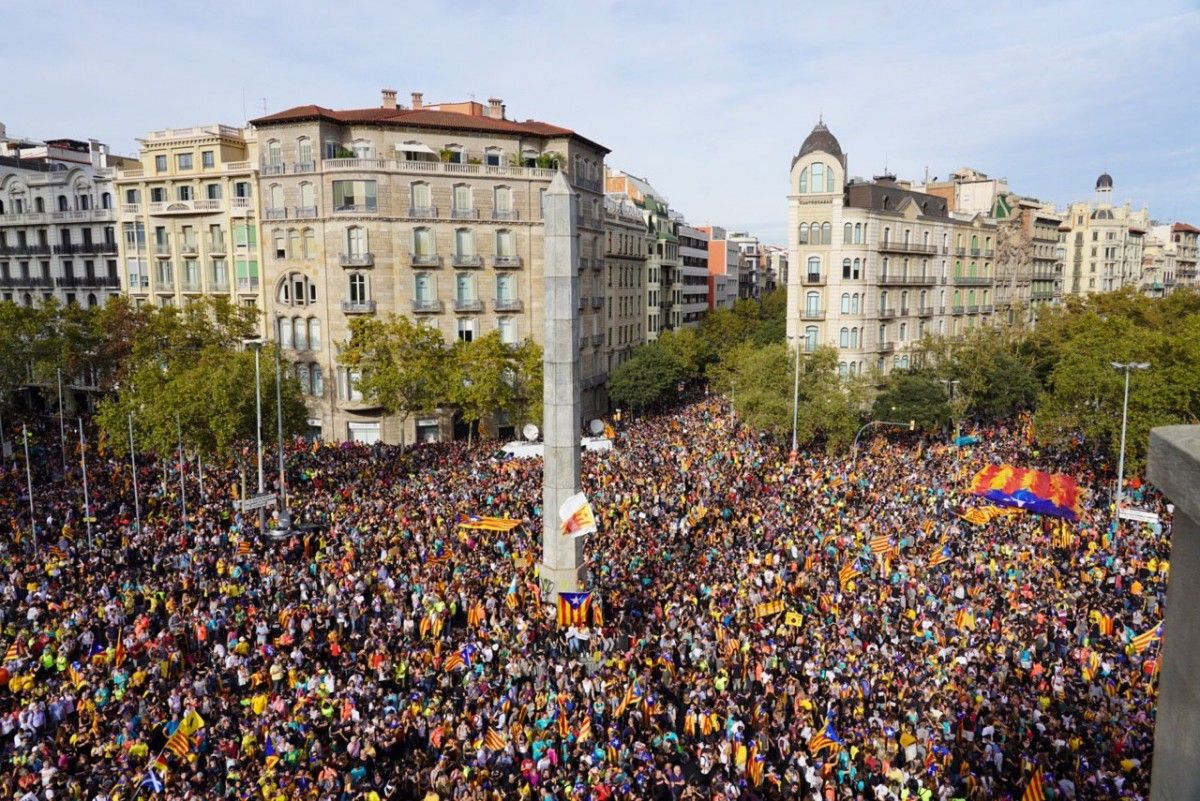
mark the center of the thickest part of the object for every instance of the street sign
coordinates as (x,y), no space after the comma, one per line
(1138,515)
(258,502)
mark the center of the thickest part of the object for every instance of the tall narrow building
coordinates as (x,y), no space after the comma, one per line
(433,211)
(1104,244)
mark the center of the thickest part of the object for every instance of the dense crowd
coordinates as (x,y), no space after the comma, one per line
(381,651)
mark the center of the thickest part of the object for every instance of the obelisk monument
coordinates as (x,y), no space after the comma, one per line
(561,556)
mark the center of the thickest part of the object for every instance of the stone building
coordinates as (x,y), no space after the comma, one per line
(663,265)
(58,235)
(724,268)
(691,289)
(431,211)
(625,275)
(1104,243)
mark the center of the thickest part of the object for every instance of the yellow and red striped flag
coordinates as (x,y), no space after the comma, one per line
(847,574)
(494,741)
(1033,790)
(585,729)
(880,544)
(179,744)
(1143,641)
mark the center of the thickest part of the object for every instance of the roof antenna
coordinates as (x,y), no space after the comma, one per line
(264,105)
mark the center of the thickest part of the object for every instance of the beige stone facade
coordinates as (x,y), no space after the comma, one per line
(188,218)
(430,211)
(1104,243)
(625,268)
(873,266)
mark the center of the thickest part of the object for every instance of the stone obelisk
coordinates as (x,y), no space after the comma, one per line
(561,556)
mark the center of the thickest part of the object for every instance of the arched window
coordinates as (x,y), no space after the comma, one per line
(827,233)
(422,200)
(300,333)
(302,377)
(810,338)
(842,370)
(505,246)
(274,152)
(285,334)
(362,149)
(829,179)
(502,201)
(310,243)
(106,201)
(492,156)
(958,269)
(804,180)
(857,272)
(974,243)
(818,177)
(903,331)
(883,299)
(854,338)
(275,195)
(814,268)
(907,235)
(812,304)
(803,233)
(845,303)
(887,202)
(304,153)
(887,235)
(903,299)
(63,204)
(853,369)
(854,307)
(39,204)
(845,268)
(318,381)
(844,338)
(847,234)
(294,243)
(958,297)
(308,200)
(924,304)
(462,199)
(422,242)
(464,242)
(314,333)
(971,297)
(858,233)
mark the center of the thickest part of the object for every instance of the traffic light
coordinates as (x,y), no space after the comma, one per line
(912,425)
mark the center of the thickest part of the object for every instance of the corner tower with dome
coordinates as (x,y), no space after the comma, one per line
(1104,244)
(874,265)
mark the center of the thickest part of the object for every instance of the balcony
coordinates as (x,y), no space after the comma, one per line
(987,308)
(587,220)
(506,262)
(589,184)
(597,340)
(247,284)
(960,251)
(190,286)
(889,246)
(427,167)
(506,214)
(83,281)
(27,282)
(467,260)
(973,309)
(885,347)
(924,311)
(975,251)
(813,279)
(911,280)
(507,305)
(358,307)
(189,248)
(812,314)
(304,212)
(274,168)
(973,280)
(427,306)
(162,250)
(217,244)
(903,311)
(202,206)
(356,259)
(423,212)
(165,285)
(241,205)
(464,214)
(356,208)
(958,309)
(304,166)
(425,259)
(218,283)
(1042,294)
(467,306)
(25,250)
(988,253)
(131,208)
(887,314)
(275,214)
(597,302)
(138,283)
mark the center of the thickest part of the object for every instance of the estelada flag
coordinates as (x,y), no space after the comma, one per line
(573,608)
(1033,790)
(847,574)
(576,517)
(1142,641)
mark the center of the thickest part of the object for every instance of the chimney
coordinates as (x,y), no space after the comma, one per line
(389,98)
(417,103)
(495,108)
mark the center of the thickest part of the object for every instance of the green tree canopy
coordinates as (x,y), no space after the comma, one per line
(912,395)
(646,378)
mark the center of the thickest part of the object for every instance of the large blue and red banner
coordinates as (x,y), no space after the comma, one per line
(1032,490)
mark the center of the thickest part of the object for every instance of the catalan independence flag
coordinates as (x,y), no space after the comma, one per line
(1034,790)
(179,744)
(1032,490)
(481,523)
(1143,641)
(940,556)
(847,574)
(576,517)
(825,738)
(573,608)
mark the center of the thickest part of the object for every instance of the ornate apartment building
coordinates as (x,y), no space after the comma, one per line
(57,221)
(625,274)
(1104,244)
(431,211)
(873,266)
(691,289)
(189,221)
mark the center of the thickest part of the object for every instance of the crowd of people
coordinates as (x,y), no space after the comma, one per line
(763,626)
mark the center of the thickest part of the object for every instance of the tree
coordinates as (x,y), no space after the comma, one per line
(526,368)
(404,365)
(479,378)
(645,379)
(688,350)
(912,395)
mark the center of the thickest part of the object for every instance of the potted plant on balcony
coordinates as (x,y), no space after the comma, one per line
(343,153)
(549,160)
(445,154)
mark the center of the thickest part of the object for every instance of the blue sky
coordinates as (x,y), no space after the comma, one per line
(708,100)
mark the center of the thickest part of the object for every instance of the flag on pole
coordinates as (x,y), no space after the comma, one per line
(501,524)
(152,782)
(475,615)
(191,723)
(573,608)
(1103,622)
(179,744)
(576,517)
(119,653)
(880,544)
(494,741)
(847,574)
(585,729)
(825,738)
(1143,641)
(941,556)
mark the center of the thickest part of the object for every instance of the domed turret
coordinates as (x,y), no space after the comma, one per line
(1104,182)
(820,139)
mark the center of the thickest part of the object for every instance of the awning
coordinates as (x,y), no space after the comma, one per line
(414,147)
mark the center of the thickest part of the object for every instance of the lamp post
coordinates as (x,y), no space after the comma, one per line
(137,509)
(950,385)
(62,428)
(1127,368)
(256,345)
(182,472)
(795,392)
(29,484)
(87,503)
(285,519)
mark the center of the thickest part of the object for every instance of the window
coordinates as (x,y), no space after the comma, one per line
(213,191)
(507,327)
(133,196)
(857,271)
(504,243)
(300,335)
(504,287)
(810,338)
(846,269)
(492,156)
(903,331)
(183,161)
(462,197)
(814,268)
(422,242)
(280,245)
(464,288)
(307,198)
(845,303)
(812,304)
(304,151)
(827,233)
(207,160)
(184,192)
(356,241)
(421,199)
(817,177)
(302,376)
(309,240)
(502,199)
(358,288)
(452,154)
(424,287)
(160,163)
(354,196)
(362,149)
(847,234)
(294,243)
(466,330)
(844,338)
(804,180)
(803,233)
(318,381)
(158,194)
(464,242)
(854,307)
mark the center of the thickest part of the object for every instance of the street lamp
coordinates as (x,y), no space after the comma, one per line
(795,392)
(950,385)
(256,345)
(1127,367)
(285,519)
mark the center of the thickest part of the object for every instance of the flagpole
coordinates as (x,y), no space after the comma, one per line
(137,509)
(29,481)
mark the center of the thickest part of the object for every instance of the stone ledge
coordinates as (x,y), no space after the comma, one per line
(1174,465)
